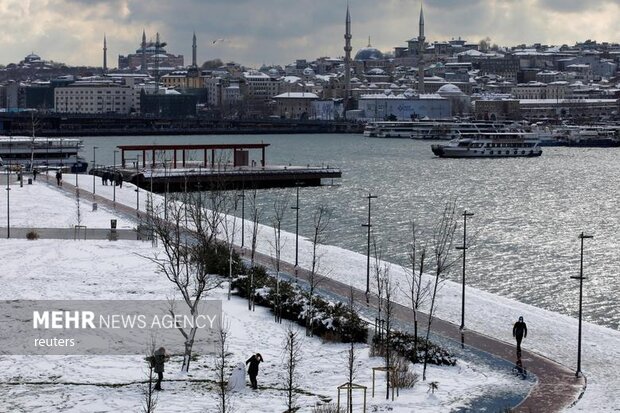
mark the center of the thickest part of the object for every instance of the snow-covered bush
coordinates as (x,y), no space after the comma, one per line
(331,321)
(403,344)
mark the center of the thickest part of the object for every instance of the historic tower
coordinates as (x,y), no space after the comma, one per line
(421,39)
(347,60)
(194,48)
(105,54)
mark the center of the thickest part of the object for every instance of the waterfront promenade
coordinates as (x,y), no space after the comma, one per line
(556,387)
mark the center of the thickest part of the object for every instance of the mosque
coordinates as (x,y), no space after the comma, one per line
(150,55)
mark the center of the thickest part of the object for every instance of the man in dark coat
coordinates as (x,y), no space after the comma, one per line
(158,359)
(519,331)
(253,368)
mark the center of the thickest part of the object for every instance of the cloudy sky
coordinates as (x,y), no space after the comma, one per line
(279,31)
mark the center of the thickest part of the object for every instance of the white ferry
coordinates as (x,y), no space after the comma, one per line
(431,129)
(490,145)
(32,153)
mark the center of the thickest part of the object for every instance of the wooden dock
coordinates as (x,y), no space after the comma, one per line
(196,167)
(228,177)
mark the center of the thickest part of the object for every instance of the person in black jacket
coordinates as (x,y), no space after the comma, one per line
(253,368)
(519,331)
(159,357)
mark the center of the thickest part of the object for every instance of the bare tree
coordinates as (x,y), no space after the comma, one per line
(379,274)
(321,218)
(229,226)
(442,246)
(292,356)
(280,206)
(351,356)
(184,263)
(388,310)
(221,363)
(255,215)
(150,396)
(417,291)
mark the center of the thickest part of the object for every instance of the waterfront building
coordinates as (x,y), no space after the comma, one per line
(497,108)
(405,106)
(295,105)
(97,97)
(579,110)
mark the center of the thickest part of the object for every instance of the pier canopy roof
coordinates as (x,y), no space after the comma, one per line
(153,149)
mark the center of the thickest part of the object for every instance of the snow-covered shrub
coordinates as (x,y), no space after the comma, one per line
(331,321)
(32,235)
(403,377)
(403,344)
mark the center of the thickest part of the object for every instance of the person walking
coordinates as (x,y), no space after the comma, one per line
(254,361)
(158,359)
(58,178)
(519,331)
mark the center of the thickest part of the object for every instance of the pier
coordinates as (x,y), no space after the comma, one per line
(163,168)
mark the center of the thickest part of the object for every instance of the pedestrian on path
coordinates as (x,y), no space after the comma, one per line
(254,361)
(157,360)
(519,331)
(58,178)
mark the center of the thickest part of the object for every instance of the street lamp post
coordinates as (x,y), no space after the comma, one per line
(137,187)
(580,278)
(296,208)
(368,225)
(242,196)
(464,248)
(94,166)
(8,214)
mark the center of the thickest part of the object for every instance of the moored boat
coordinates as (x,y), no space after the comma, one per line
(490,145)
(32,153)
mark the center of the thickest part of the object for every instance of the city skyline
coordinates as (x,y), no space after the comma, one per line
(253,32)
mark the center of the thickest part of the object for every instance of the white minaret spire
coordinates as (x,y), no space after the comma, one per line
(421,39)
(105,54)
(194,48)
(347,59)
(421,36)
(143,67)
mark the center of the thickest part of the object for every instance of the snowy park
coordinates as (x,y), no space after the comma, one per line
(46,269)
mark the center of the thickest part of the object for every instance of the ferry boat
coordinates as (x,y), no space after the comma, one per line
(431,129)
(589,136)
(490,145)
(42,153)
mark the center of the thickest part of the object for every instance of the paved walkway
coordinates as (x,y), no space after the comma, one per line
(556,388)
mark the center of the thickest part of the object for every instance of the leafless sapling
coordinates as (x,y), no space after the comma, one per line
(292,356)
(442,247)
(320,223)
(417,291)
(280,206)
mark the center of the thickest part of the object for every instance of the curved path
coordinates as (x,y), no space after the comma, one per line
(556,388)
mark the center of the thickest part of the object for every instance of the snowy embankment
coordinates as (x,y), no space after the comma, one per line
(549,334)
(59,269)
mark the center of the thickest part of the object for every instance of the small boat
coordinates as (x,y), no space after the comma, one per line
(490,145)
(42,153)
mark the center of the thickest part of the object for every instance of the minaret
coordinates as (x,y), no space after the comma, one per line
(194,48)
(143,67)
(105,54)
(421,39)
(347,60)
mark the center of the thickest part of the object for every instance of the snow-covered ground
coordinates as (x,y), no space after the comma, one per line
(549,334)
(67,269)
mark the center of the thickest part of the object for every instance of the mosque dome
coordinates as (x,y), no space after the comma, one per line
(32,58)
(449,90)
(368,53)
